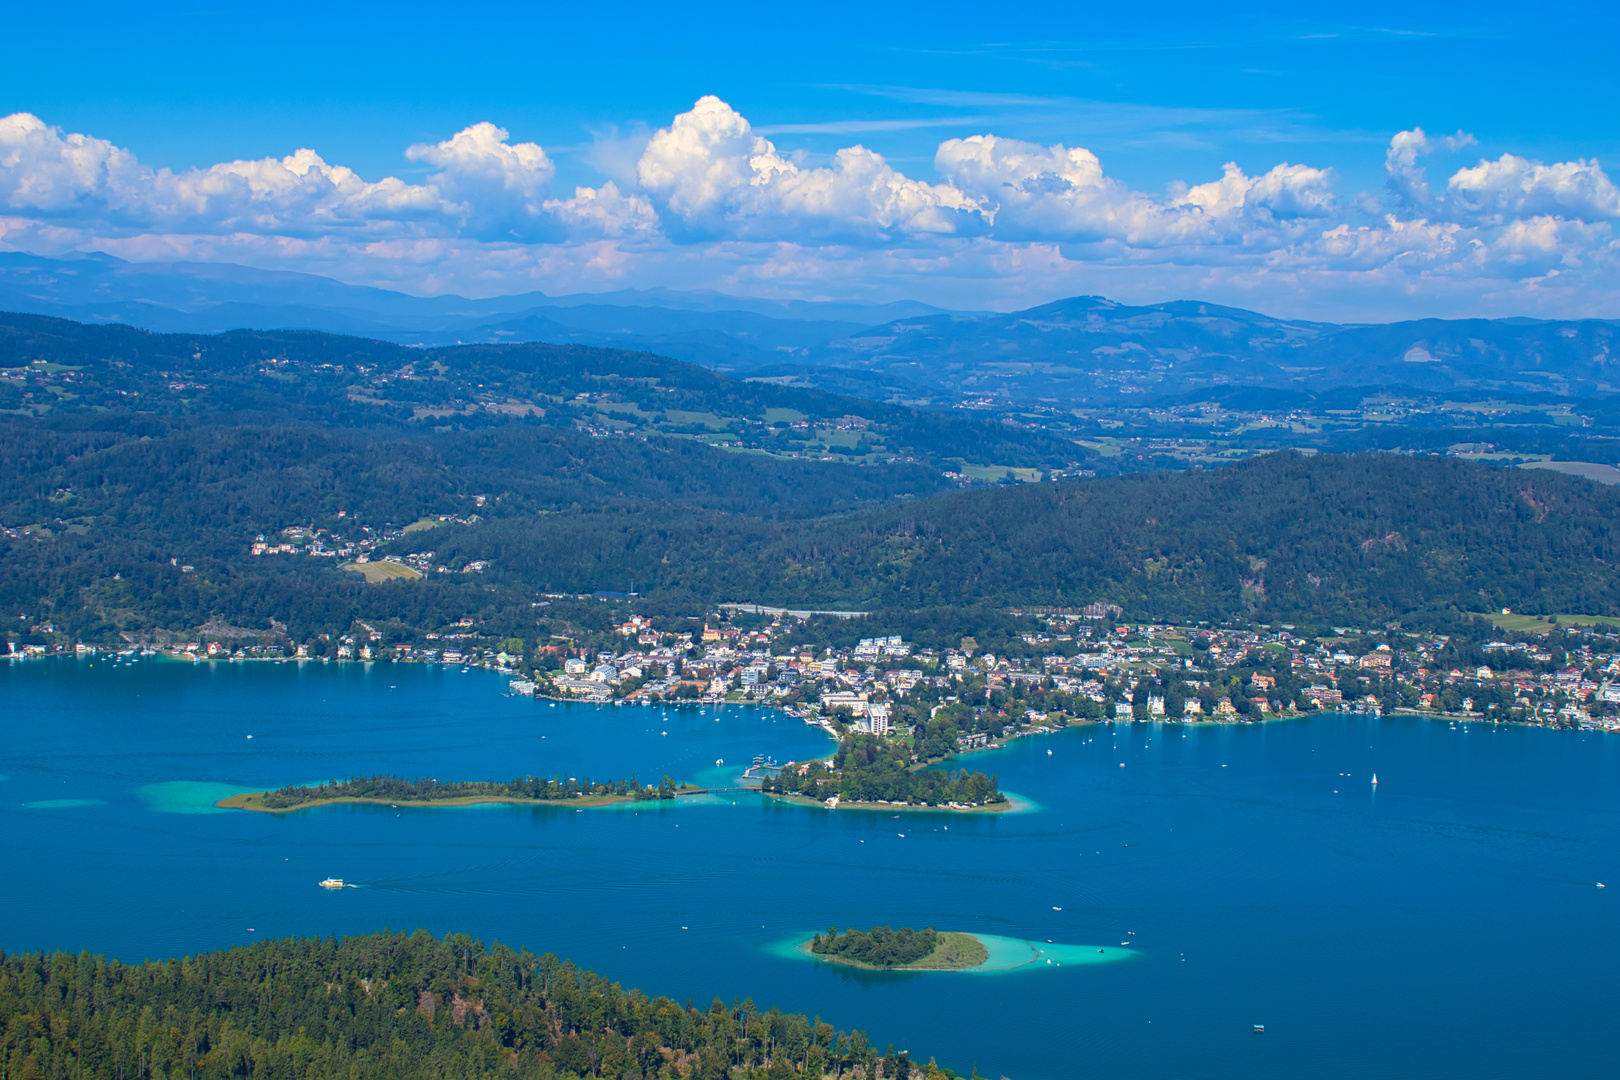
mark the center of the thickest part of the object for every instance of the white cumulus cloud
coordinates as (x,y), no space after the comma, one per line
(75,178)
(494,189)
(1283,193)
(713,177)
(484,187)
(1030,191)
(708,201)
(606,211)
(1405,177)
(1516,187)
(43,171)
(1034,192)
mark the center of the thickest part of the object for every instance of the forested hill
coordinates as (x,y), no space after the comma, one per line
(1364,538)
(112,377)
(391,1007)
(142,469)
(154,535)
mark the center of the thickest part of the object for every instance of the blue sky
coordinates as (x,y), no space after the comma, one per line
(1006,157)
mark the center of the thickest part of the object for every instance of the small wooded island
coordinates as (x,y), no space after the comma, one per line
(867,770)
(398,791)
(885,949)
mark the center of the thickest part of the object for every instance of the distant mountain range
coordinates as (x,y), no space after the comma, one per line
(1079,351)
(1090,349)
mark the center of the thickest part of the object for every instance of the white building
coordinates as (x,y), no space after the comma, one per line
(847,699)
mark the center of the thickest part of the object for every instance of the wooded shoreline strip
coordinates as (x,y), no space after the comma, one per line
(1009,806)
(387,1007)
(254,800)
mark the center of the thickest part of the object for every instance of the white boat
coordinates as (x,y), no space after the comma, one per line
(1375,780)
(332,883)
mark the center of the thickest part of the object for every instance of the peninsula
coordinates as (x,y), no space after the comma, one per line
(390,1006)
(398,791)
(885,949)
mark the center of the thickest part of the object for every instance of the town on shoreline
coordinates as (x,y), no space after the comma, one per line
(1076,665)
(908,719)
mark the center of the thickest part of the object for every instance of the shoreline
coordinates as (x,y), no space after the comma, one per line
(1403,711)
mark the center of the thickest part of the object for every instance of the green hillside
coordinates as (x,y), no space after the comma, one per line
(108,377)
(1362,538)
(144,469)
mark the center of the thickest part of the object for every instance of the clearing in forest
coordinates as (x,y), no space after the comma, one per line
(383,571)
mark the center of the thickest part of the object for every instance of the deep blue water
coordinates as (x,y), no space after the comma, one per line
(1448,926)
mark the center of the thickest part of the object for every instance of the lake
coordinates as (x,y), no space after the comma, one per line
(1447,924)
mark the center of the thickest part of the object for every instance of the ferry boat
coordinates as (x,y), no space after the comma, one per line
(332,883)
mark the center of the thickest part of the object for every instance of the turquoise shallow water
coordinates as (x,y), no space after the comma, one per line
(1018,954)
(187,796)
(1448,925)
